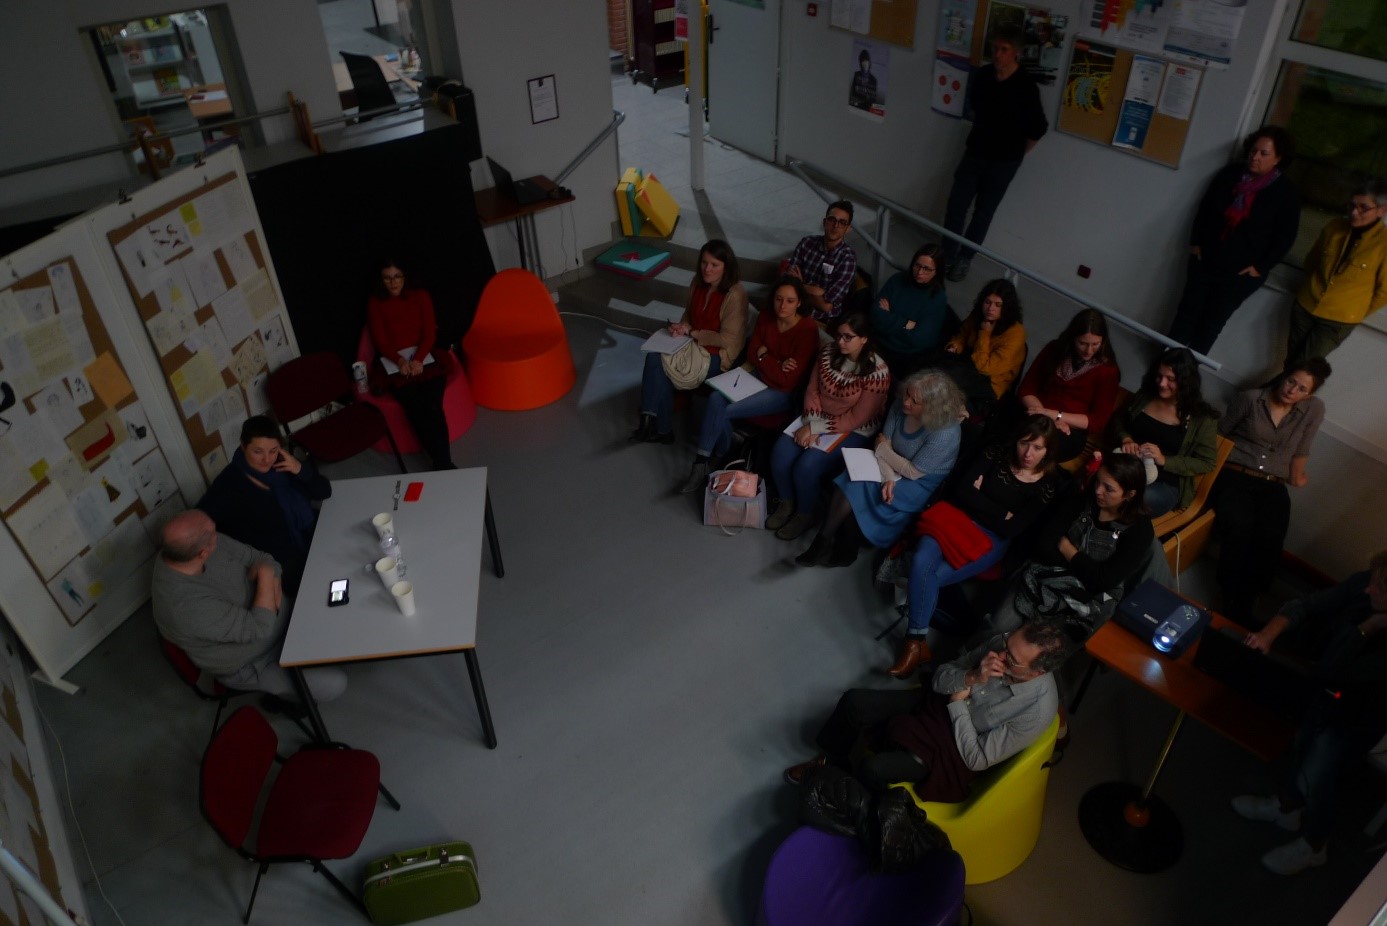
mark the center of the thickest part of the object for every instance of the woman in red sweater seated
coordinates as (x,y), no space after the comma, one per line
(780,354)
(1073,382)
(403,331)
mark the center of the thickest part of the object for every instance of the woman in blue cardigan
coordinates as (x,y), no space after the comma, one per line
(264,497)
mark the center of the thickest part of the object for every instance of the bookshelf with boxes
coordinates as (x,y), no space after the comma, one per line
(658,55)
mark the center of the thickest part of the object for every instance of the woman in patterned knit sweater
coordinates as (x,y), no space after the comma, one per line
(846,394)
(915,450)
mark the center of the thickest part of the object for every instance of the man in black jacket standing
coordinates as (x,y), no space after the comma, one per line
(1007,122)
(1345,628)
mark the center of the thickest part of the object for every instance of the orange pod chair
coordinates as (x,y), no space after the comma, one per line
(516,351)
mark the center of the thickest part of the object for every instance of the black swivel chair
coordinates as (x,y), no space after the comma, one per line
(368,82)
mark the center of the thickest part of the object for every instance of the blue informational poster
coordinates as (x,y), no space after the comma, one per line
(1139,102)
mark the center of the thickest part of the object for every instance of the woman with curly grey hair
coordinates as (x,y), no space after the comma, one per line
(915,450)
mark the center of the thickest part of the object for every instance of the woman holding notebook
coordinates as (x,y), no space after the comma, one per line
(402,326)
(915,450)
(778,359)
(714,319)
(842,408)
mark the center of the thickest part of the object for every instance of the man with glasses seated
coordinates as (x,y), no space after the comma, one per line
(826,263)
(1345,276)
(982,708)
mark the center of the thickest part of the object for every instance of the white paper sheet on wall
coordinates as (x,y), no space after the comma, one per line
(260,295)
(139,263)
(35,304)
(75,327)
(76,590)
(139,437)
(64,289)
(238,257)
(46,529)
(205,275)
(169,329)
(56,404)
(49,349)
(276,341)
(154,480)
(167,236)
(234,314)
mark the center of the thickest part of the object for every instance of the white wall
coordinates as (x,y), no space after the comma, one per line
(503,44)
(56,103)
(1075,202)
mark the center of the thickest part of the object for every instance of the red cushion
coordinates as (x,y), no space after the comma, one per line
(233,773)
(321,804)
(343,434)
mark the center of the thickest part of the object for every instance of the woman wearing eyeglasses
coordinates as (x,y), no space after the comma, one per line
(916,449)
(1272,430)
(843,404)
(1085,553)
(401,321)
(908,316)
(992,335)
(981,709)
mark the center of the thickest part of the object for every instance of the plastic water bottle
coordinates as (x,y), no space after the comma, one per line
(359,375)
(390,546)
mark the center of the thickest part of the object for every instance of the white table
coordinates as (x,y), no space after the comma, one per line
(441,541)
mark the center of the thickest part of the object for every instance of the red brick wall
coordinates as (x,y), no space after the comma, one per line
(616,25)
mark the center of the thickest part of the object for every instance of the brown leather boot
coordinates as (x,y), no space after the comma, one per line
(913,652)
(795,774)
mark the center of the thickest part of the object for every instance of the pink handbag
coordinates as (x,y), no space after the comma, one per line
(734,498)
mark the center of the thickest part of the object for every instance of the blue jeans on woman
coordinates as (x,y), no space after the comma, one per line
(930,571)
(799,472)
(715,435)
(657,392)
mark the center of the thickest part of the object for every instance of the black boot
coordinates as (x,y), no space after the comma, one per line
(645,431)
(846,543)
(817,552)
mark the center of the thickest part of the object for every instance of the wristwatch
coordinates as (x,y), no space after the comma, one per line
(1059,416)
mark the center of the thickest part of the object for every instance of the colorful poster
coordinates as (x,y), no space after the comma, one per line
(871,70)
(1138,102)
(950,84)
(1089,86)
(1205,32)
(953,50)
(1140,25)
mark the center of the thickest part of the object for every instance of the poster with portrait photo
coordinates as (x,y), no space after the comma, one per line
(871,69)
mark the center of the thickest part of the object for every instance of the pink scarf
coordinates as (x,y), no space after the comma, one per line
(1244,192)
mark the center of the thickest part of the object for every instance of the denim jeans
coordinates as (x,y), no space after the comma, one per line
(982,183)
(799,473)
(715,436)
(657,392)
(1319,753)
(930,571)
(1161,497)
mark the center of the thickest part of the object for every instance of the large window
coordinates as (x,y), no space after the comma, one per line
(1331,93)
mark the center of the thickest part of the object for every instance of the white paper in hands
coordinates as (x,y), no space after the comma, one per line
(862,464)
(662,342)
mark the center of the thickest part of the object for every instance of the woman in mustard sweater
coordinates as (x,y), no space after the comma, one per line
(992,335)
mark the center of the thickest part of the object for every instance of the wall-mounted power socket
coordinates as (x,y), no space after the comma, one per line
(1084,271)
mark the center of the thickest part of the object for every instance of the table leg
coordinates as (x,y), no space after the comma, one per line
(492,539)
(1083,686)
(315,720)
(1128,826)
(520,241)
(474,672)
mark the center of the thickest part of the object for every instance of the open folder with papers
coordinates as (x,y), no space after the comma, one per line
(824,442)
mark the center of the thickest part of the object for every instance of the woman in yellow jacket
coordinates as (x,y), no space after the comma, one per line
(992,336)
(1346,277)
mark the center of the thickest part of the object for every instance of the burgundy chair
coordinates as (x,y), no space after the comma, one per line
(202,684)
(306,384)
(319,806)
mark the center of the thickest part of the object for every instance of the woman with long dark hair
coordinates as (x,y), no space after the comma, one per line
(846,395)
(403,329)
(1086,553)
(908,316)
(1246,223)
(780,354)
(715,317)
(1073,382)
(992,335)
(1272,430)
(1169,423)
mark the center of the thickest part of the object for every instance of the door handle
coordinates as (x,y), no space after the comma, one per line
(710,28)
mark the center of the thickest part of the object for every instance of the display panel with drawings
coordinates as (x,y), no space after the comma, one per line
(203,287)
(84,485)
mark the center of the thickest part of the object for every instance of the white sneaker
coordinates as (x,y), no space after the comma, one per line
(1266,809)
(1294,857)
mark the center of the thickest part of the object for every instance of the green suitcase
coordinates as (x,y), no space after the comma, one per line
(421,883)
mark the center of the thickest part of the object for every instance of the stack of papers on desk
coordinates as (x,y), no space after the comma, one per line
(662,342)
(737,384)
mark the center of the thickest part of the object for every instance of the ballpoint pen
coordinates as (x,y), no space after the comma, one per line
(735,380)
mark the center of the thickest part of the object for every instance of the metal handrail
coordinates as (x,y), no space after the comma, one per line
(797,166)
(618,117)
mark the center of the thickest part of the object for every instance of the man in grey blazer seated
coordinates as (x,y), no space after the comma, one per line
(984,707)
(220,601)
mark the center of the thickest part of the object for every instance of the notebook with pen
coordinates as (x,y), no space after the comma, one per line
(736,384)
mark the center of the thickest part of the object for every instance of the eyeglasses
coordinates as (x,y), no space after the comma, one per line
(923,268)
(390,277)
(1362,207)
(834,220)
(840,337)
(1010,660)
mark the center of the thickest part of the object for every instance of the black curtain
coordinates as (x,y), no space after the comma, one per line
(330,219)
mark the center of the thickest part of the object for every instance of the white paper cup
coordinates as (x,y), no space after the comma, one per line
(404,597)
(384,523)
(387,570)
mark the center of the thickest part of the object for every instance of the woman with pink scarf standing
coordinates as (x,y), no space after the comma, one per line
(1246,223)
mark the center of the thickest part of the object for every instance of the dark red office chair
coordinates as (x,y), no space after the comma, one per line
(306,384)
(319,806)
(202,684)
